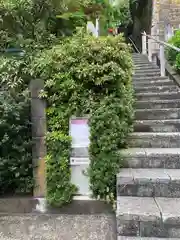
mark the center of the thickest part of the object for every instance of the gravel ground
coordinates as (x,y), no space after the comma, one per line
(61,227)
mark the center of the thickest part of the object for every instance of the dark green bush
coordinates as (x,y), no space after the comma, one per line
(15,129)
(172,55)
(86,75)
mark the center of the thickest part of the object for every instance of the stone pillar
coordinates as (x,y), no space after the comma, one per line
(38,118)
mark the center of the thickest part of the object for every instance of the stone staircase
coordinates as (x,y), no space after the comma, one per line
(148,201)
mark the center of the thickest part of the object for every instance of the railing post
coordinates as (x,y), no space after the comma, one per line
(144,46)
(150,49)
(162,61)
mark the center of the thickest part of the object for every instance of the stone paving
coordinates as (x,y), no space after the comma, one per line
(57,227)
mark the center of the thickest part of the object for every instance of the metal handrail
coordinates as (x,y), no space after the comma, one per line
(162,42)
(134,45)
(147,50)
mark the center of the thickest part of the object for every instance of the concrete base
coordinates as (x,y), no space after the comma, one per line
(80,205)
(29,218)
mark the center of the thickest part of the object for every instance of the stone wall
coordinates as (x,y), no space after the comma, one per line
(165,12)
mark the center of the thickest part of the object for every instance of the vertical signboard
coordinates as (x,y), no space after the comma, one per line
(79,132)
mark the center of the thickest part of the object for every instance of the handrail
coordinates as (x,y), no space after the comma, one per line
(162,42)
(147,50)
(134,45)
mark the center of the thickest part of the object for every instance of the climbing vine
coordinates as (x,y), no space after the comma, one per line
(91,76)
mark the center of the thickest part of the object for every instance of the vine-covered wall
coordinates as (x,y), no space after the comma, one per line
(86,76)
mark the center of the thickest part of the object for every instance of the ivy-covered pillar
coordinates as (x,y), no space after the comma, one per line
(38,118)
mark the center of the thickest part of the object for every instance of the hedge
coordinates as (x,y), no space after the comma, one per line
(86,76)
(15,129)
(172,55)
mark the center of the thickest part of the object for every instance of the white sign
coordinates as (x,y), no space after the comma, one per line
(79,131)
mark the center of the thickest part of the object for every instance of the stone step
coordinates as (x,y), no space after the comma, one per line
(158,96)
(57,227)
(144,238)
(141,61)
(149,182)
(141,58)
(157,114)
(152,157)
(138,55)
(158,104)
(150,79)
(147,70)
(155,140)
(146,66)
(167,125)
(144,89)
(148,217)
(148,73)
(139,82)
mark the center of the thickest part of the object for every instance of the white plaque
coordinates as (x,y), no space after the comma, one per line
(79,131)
(79,161)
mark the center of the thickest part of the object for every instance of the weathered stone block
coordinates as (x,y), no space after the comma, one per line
(38,108)
(152,229)
(39,147)
(38,127)
(128,228)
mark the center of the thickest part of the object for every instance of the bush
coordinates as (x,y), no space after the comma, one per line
(172,55)
(86,76)
(15,129)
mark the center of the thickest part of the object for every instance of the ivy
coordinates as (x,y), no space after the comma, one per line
(86,76)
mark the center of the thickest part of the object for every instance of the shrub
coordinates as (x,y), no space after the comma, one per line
(172,55)
(15,129)
(86,76)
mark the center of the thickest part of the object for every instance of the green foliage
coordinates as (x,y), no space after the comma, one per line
(15,129)
(35,22)
(121,12)
(86,76)
(172,55)
(59,189)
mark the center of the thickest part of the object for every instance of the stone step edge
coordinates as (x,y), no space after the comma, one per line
(157,94)
(144,238)
(137,158)
(154,87)
(147,175)
(145,70)
(162,134)
(156,109)
(153,121)
(143,82)
(159,101)
(150,80)
(155,77)
(138,209)
(148,152)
